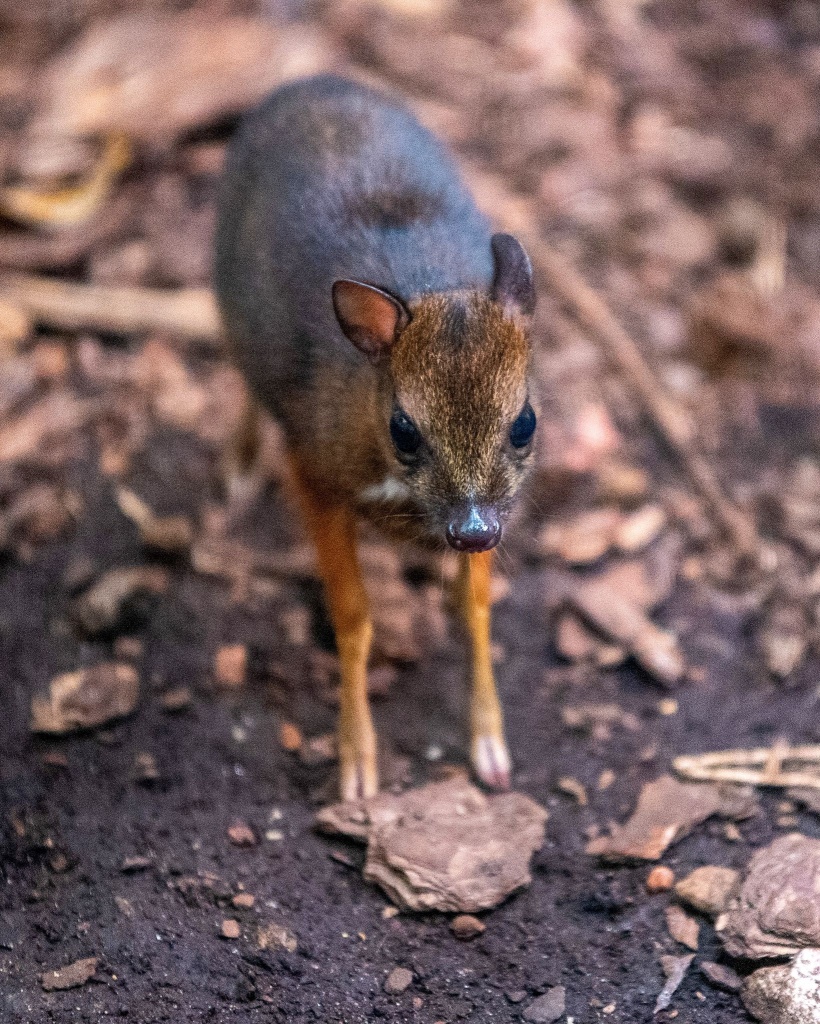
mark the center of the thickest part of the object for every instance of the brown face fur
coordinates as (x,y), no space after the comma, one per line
(460,371)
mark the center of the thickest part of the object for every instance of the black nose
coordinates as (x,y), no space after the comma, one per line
(477,529)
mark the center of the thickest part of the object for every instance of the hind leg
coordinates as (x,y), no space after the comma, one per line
(488,749)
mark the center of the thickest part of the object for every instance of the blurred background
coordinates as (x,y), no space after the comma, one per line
(661,161)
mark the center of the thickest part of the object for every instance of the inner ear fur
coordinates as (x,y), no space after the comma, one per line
(512,284)
(369,316)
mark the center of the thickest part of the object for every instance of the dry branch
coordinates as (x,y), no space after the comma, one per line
(763,766)
(188,313)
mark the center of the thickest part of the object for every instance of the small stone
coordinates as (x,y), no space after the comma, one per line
(389,912)
(241,834)
(276,936)
(231,665)
(131,865)
(290,737)
(776,911)
(243,900)
(660,879)
(146,769)
(788,994)
(129,648)
(318,750)
(398,981)
(516,996)
(547,1008)
(575,789)
(230,929)
(721,976)
(72,976)
(638,530)
(682,927)
(708,889)
(466,926)
(177,699)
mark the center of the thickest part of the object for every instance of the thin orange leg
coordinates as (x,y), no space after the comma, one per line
(333,529)
(489,754)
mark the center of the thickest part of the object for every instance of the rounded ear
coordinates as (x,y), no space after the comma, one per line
(370,317)
(512,284)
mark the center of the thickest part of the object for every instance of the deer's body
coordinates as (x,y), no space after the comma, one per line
(343,220)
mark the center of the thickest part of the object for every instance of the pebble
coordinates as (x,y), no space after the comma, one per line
(660,879)
(398,981)
(177,699)
(547,1008)
(244,900)
(230,928)
(276,936)
(290,737)
(466,926)
(231,665)
(241,834)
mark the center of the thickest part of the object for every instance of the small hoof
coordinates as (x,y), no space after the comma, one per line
(491,761)
(358,781)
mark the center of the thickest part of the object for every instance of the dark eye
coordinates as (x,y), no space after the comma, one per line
(404,433)
(523,427)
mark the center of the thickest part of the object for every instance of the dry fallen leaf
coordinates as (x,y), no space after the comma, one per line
(86,698)
(667,810)
(682,927)
(156,75)
(675,968)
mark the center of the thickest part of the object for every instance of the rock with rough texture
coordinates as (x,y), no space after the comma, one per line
(86,698)
(398,981)
(72,976)
(667,811)
(788,994)
(777,910)
(445,846)
(708,889)
(547,1008)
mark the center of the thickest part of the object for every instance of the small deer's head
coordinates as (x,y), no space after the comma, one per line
(458,418)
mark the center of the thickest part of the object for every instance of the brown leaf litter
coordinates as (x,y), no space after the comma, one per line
(86,698)
(675,968)
(445,846)
(667,811)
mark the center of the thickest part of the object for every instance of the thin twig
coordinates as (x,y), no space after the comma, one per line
(188,313)
(762,766)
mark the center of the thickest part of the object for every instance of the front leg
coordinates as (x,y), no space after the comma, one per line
(333,529)
(489,754)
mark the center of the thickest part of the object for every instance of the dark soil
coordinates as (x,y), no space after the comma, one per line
(73,810)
